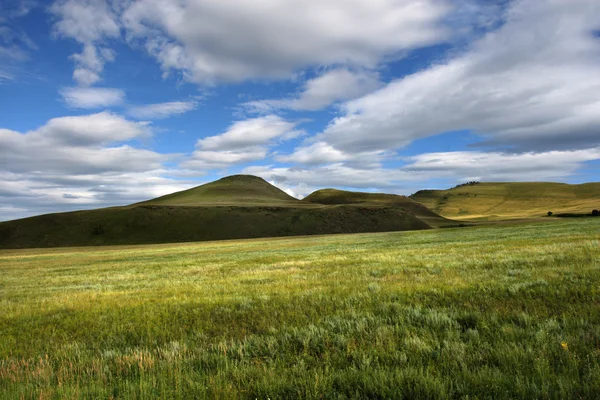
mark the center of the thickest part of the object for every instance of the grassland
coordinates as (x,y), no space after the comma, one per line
(512,200)
(507,311)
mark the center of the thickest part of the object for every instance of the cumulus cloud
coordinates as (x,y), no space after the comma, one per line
(209,42)
(531,84)
(86,97)
(90,64)
(496,166)
(316,153)
(212,41)
(330,87)
(79,162)
(89,22)
(162,110)
(244,141)
(447,168)
(77,144)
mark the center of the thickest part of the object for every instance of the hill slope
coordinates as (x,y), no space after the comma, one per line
(342,197)
(232,208)
(232,190)
(511,200)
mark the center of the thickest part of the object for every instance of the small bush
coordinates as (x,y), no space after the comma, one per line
(550,213)
(596,213)
(471,183)
(98,230)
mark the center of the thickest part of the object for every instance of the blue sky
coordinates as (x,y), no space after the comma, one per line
(108,102)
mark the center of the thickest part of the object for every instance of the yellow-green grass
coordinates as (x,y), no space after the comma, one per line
(507,311)
(495,201)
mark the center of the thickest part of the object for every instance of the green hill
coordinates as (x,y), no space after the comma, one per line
(232,190)
(342,197)
(494,201)
(235,207)
(335,196)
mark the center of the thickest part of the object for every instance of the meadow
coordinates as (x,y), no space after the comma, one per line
(505,311)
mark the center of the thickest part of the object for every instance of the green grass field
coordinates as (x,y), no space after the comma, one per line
(506,311)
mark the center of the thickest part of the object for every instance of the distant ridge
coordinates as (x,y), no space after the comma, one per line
(507,200)
(335,196)
(235,207)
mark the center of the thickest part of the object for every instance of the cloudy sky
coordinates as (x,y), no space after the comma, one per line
(108,102)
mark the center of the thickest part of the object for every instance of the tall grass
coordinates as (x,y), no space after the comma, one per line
(508,311)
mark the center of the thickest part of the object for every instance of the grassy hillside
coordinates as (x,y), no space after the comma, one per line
(511,200)
(157,224)
(231,208)
(502,312)
(342,197)
(246,190)
(335,196)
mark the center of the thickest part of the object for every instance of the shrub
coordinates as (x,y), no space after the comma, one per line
(98,230)
(471,183)
(596,213)
(550,213)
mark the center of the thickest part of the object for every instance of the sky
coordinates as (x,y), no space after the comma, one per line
(110,102)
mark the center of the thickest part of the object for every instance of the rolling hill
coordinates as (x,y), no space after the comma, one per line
(342,197)
(246,190)
(235,207)
(495,201)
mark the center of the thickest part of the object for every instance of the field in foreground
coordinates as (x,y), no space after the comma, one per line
(509,311)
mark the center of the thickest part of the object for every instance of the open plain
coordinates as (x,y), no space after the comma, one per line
(505,311)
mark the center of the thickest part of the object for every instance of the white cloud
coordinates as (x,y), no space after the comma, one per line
(89,22)
(330,87)
(248,133)
(81,140)
(495,166)
(315,153)
(162,110)
(207,160)
(244,141)
(90,64)
(449,167)
(319,153)
(79,162)
(77,97)
(86,21)
(531,84)
(212,41)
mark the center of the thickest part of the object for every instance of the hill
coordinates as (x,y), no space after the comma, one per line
(235,207)
(232,190)
(342,197)
(493,201)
